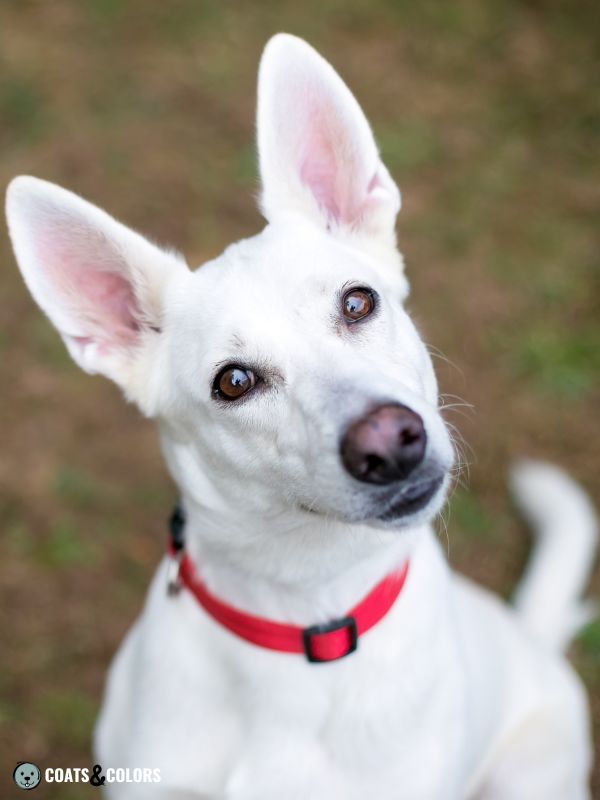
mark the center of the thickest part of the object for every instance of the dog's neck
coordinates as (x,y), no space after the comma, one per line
(293,566)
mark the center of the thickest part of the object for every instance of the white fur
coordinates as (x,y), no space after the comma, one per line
(566,528)
(448,697)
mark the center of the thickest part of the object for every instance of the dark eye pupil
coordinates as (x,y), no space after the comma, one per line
(358,303)
(238,378)
(233,382)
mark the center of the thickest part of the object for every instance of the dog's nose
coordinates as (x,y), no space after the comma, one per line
(385,445)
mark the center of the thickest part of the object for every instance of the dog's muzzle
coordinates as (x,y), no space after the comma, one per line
(385,445)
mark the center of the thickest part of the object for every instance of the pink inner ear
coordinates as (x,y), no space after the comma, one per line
(112,299)
(87,272)
(318,172)
(329,164)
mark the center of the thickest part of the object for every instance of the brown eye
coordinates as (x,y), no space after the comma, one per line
(233,382)
(358,303)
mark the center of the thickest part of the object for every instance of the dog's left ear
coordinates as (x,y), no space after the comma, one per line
(100,283)
(317,153)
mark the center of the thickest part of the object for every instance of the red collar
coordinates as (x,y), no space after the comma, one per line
(326,642)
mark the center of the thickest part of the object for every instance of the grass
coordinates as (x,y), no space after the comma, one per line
(21,109)
(589,639)
(469,515)
(587,647)
(76,489)
(69,715)
(561,362)
(64,546)
(410,146)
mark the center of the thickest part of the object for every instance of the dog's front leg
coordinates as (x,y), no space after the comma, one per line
(548,755)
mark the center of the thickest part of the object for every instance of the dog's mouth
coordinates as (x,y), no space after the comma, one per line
(412,499)
(404,503)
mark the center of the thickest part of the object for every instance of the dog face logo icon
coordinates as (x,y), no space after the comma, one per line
(27,776)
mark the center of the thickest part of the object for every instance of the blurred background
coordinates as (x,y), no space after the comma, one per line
(487,114)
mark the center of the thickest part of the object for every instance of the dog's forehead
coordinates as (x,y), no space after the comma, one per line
(267,296)
(293,267)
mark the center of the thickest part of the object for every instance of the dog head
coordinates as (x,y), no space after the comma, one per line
(286,375)
(26,775)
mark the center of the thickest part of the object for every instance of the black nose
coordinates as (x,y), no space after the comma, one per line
(385,445)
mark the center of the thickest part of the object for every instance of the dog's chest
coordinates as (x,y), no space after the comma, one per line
(365,735)
(258,724)
(350,733)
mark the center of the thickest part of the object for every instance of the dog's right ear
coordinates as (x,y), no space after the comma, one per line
(317,154)
(101,284)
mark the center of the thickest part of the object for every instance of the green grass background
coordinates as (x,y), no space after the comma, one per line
(487,113)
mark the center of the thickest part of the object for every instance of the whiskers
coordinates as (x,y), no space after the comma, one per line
(435,352)
(463,452)
(455,404)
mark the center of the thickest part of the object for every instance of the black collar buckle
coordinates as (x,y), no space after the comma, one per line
(308,634)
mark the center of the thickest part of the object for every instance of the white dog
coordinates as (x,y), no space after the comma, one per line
(299,416)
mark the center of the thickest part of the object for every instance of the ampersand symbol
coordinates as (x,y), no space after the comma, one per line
(97,778)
